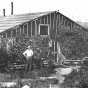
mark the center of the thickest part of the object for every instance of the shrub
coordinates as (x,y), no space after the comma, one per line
(77,79)
(73,43)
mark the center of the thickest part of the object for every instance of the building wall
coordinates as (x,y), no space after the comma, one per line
(54,20)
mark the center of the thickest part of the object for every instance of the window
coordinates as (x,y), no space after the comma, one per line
(43,29)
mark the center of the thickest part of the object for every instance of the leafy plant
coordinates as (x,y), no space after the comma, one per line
(73,43)
(77,79)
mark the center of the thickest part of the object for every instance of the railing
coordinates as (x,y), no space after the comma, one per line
(74,62)
(17,66)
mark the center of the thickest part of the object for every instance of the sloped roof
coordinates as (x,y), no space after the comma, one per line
(14,20)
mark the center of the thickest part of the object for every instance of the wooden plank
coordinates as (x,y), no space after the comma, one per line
(4,35)
(20,30)
(35,28)
(16,31)
(57,52)
(23,29)
(27,29)
(47,19)
(40,20)
(52,31)
(11,33)
(8,33)
(68,23)
(56,57)
(59,19)
(50,21)
(54,49)
(55,24)
(86,33)
(74,24)
(31,29)
(71,24)
(54,21)
(44,20)
(64,21)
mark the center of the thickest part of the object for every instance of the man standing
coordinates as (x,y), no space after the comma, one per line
(28,54)
(38,59)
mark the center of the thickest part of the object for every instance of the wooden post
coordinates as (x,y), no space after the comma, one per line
(58,51)
(16,31)
(50,21)
(23,29)
(59,19)
(2,35)
(62,20)
(54,49)
(40,20)
(11,34)
(44,20)
(71,24)
(35,28)
(20,30)
(6,34)
(56,24)
(31,29)
(54,21)
(68,23)
(27,29)
(47,19)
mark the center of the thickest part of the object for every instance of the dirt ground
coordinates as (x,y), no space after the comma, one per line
(7,79)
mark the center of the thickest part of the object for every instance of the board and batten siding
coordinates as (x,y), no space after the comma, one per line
(31,28)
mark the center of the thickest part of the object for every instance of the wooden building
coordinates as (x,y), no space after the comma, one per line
(33,24)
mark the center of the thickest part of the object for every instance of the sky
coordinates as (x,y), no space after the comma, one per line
(76,10)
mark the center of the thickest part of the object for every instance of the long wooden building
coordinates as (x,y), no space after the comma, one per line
(33,24)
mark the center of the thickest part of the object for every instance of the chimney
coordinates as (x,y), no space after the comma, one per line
(4,12)
(11,8)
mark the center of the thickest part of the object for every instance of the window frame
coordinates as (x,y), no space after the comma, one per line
(43,25)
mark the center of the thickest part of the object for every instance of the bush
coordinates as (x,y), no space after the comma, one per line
(15,47)
(77,79)
(4,60)
(73,43)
